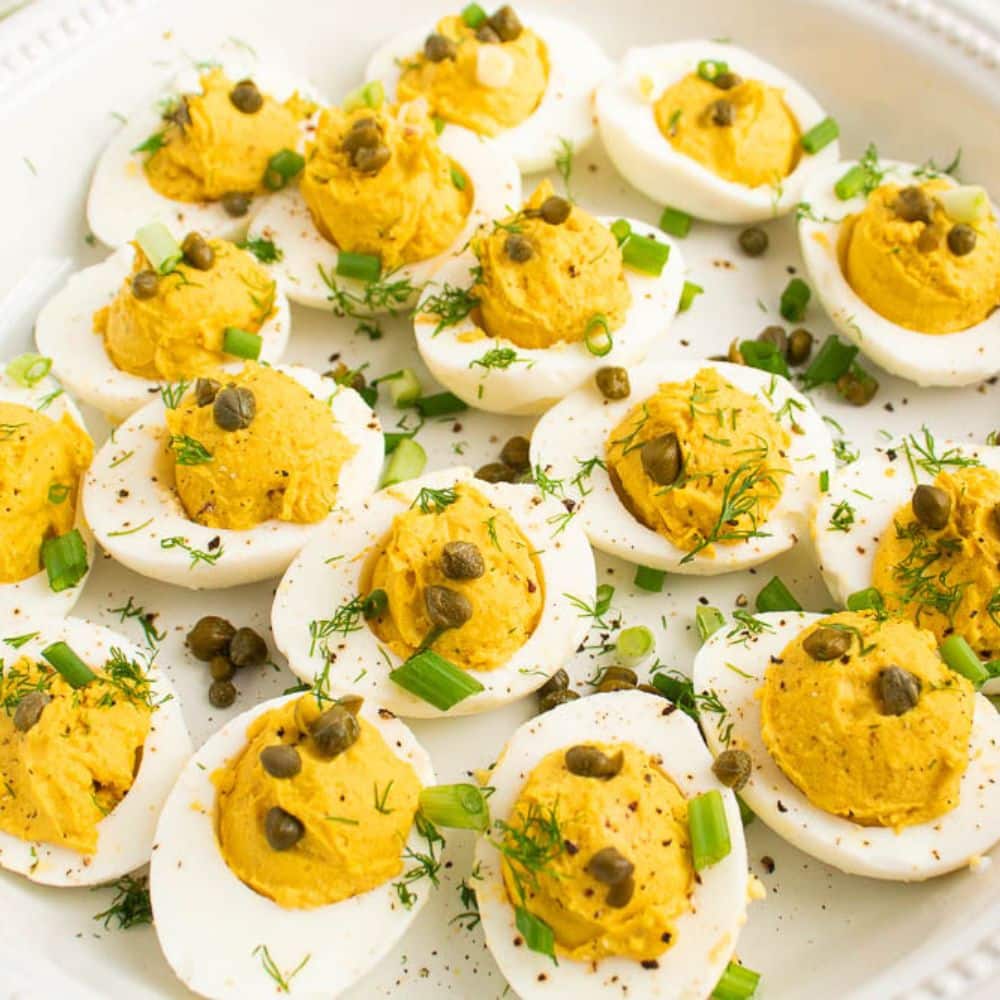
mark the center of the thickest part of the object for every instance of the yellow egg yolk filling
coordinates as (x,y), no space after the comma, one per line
(573,275)
(760,146)
(642,814)
(207,147)
(733,466)
(357,809)
(77,761)
(41,462)
(506,599)
(178,332)
(947,580)
(452,88)
(284,465)
(825,724)
(906,272)
(412,208)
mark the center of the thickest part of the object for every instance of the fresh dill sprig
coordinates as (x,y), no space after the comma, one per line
(283,980)
(500,358)
(264,250)
(922,453)
(426,863)
(130,906)
(384,295)
(145,618)
(564,163)
(188,451)
(434,501)
(346,619)
(596,611)
(197,555)
(451,305)
(173,393)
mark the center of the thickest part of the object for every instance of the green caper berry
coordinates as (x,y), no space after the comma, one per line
(556,698)
(620,895)
(774,335)
(446,608)
(222,694)
(197,253)
(559,681)
(221,668)
(912,204)
(518,248)
(722,113)
(661,458)
(371,159)
(205,391)
(613,382)
(234,408)
(462,561)
(29,710)
(800,344)
(281,761)
(335,731)
(609,866)
(282,829)
(247,648)
(516,453)
(236,204)
(826,644)
(145,284)
(899,690)
(931,506)
(246,98)
(210,637)
(754,241)
(591,762)
(555,210)
(496,472)
(437,48)
(733,768)
(961,239)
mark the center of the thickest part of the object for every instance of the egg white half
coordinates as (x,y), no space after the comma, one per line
(34,596)
(327,574)
(706,934)
(209,922)
(541,377)
(125,835)
(925,358)
(734,667)
(309,260)
(577,64)
(575,431)
(648,161)
(132,506)
(64,331)
(121,199)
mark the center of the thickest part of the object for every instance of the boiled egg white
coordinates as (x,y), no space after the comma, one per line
(648,161)
(137,516)
(125,835)
(731,667)
(571,436)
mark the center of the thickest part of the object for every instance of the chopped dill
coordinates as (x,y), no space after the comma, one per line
(434,501)
(188,451)
(197,555)
(130,906)
(451,305)
(283,980)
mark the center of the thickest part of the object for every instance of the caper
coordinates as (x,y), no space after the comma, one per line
(661,459)
(931,506)
(210,637)
(556,698)
(496,472)
(282,829)
(732,768)
(353,378)
(179,114)
(234,408)
(505,22)
(368,121)
(609,684)
(961,239)
(371,159)
(437,48)
(559,681)
(221,668)
(800,345)
(205,391)
(651,689)
(827,643)
(592,762)
(29,710)
(857,389)
(774,335)
(754,241)
(609,866)
(462,561)
(486,35)
(899,690)
(247,648)
(236,204)
(281,761)
(352,702)
(929,239)
(626,674)
(197,252)
(335,731)
(555,210)
(721,112)
(145,284)
(365,135)
(446,608)
(912,204)
(222,694)
(613,382)
(727,80)
(246,97)
(516,453)
(518,248)
(620,895)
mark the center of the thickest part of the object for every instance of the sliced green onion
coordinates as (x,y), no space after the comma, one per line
(869,599)
(159,246)
(369,393)
(438,124)
(675,222)
(851,183)
(832,359)
(710,841)
(967,203)
(708,621)
(709,69)
(794,300)
(643,253)
(764,355)
(65,560)
(474,16)
(597,336)
(621,229)
(747,815)
(737,983)
(961,657)
(440,405)
(634,645)
(375,604)
(824,481)
(241,343)
(603,596)
(58,492)
(407,461)
(775,596)
(459,807)
(360,266)
(370,95)
(404,387)
(537,934)
(649,579)
(392,439)
(282,167)
(434,679)
(820,136)
(689,293)
(458,178)
(29,369)
(73,670)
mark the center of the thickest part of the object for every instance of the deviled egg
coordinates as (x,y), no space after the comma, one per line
(443,595)
(695,467)
(596,874)
(203,152)
(543,299)
(712,130)
(526,80)
(121,328)
(301,816)
(382,202)
(220,484)
(857,743)
(91,741)
(906,262)
(45,548)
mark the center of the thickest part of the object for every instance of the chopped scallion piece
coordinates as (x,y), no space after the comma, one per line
(689,293)
(832,359)
(459,807)
(968,203)
(634,645)
(407,461)
(675,222)
(458,179)
(709,69)
(65,560)
(404,387)
(597,336)
(281,168)
(621,229)
(375,604)
(765,355)
(438,123)
(710,841)
(360,266)
(432,678)
(708,621)
(649,579)
(824,481)
(851,183)
(474,16)
(241,343)
(440,404)
(371,95)
(775,596)
(643,253)
(869,599)
(961,657)
(29,369)
(737,983)
(794,300)
(537,934)
(162,251)
(820,136)
(73,670)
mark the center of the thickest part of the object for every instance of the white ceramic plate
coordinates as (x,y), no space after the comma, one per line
(905,73)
